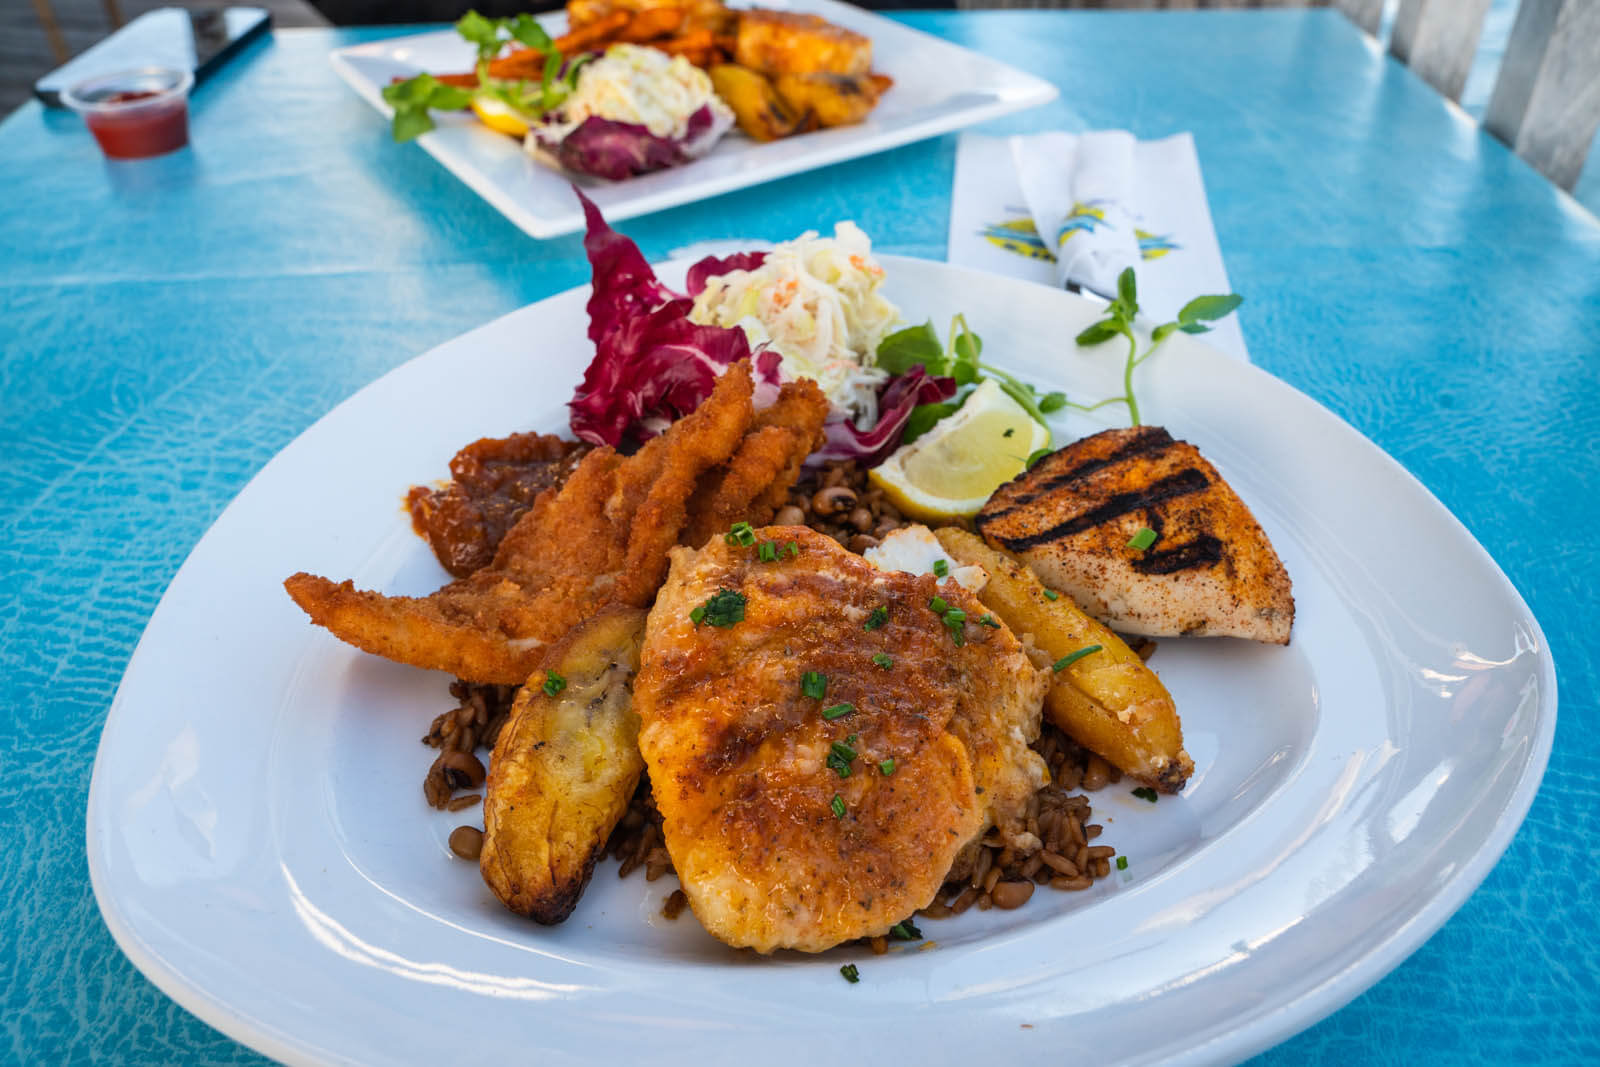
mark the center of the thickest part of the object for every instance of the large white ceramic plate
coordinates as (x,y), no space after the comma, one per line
(938,87)
(259,845)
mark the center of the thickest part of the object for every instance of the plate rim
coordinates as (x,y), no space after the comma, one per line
(1260,1032)
(1038,91)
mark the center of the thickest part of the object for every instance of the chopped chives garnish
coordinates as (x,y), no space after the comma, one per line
(1144,792)
(553,683)
(851,974)
(794,549)
(1068,660)
(905,930)
(725,608)
(837,711)
(1035,456)
(887,766)
(1122,863)
(842,753)
(941,568)
(883,660)
(837,804)
(955,621)
(768,552)
(938,606)
(1051,594)
(1143,539)
(740,533)
(879,616)
(814,684)
(988,620)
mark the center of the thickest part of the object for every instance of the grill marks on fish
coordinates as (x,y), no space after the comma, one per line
(1145,441)
(1184,482)
(1203,551)
(1211,569)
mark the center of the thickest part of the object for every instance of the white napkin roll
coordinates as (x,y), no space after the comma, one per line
(1078,190)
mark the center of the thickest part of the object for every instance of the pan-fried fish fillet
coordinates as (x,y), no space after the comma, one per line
(1210,572)
(601,539)
(738,753)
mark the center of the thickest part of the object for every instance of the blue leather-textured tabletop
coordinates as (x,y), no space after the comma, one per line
(167,326)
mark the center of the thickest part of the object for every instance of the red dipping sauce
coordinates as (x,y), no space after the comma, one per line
(136,113)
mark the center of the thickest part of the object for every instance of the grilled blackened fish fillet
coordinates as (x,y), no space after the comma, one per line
(1211,570)
(802,821)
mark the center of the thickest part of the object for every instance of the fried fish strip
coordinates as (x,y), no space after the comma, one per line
(602,539)
(757,479)
(564,767)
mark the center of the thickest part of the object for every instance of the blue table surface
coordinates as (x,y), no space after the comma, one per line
(169,325)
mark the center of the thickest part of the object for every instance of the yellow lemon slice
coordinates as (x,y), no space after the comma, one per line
(950,471)
(499,117)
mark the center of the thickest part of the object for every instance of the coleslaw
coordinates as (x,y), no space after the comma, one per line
(815,301)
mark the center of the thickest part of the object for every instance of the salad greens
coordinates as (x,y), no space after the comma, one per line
(413,98)
(959,358)
(1194,317)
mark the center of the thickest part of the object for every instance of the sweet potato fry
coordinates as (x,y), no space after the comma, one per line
(460,81)
(690,44)
(524,64)
(594,36)
(651,23)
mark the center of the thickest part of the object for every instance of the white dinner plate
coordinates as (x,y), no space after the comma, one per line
(260,847)
(938,87)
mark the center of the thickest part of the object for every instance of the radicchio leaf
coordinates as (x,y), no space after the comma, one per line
(651,364)
(896,399)
(606,148)
(712,266)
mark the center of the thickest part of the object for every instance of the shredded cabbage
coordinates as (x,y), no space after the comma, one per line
(815,301)
(644,87)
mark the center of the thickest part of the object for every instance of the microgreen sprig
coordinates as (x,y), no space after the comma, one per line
(414,98)
(1194,317)
(958,358)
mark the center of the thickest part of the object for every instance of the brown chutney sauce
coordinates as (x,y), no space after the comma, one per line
(494,481)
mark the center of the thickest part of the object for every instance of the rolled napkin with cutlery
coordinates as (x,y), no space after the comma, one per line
(1074,210)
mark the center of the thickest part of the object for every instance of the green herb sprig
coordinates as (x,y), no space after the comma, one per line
(1195,317)
(958,358)
(414,98)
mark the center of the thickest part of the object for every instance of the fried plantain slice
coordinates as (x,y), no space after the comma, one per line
(563,769)
(1108,701)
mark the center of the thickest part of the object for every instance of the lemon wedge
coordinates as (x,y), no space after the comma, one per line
(499,116)
(950,471)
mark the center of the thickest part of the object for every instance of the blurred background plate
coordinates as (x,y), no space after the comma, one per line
(938,87)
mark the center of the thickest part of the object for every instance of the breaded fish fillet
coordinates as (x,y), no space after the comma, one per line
(601,539)
(1210,571)
(800,821)
(789,42)
(757,479)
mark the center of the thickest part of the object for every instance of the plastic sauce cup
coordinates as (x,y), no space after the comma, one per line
(135,113)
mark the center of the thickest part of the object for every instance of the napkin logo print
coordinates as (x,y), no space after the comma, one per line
(1086,216)
(1018,235)
(1155,245)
